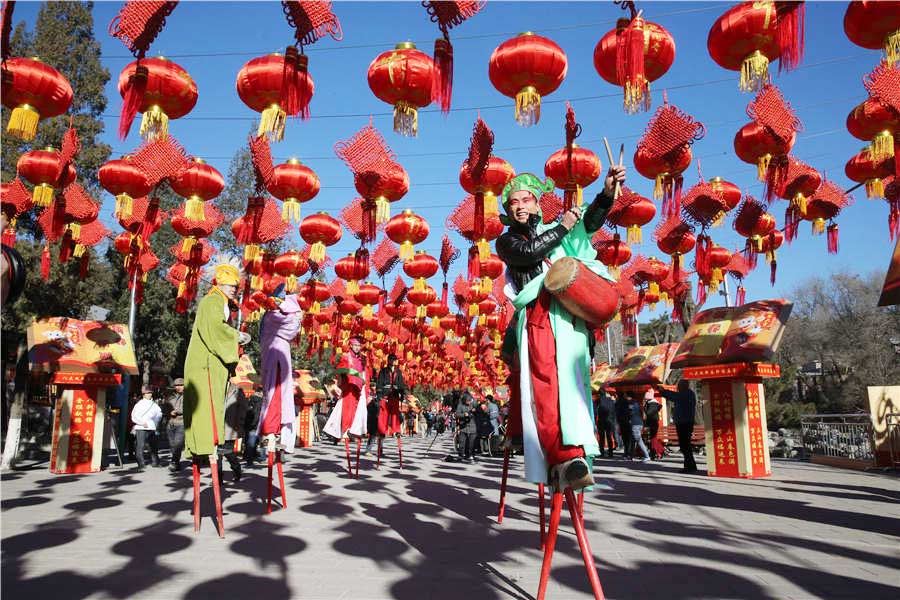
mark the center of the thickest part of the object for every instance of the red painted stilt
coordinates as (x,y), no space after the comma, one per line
(196,468)
(400,449)
(555,510)
(378,453)
(280,458)
(541,513)
(271,460)
(503,484)
(358,446)
(216,494)
(584,544)
(349,466)
(581,504)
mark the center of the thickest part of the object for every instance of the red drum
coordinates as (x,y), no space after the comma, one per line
(582,292)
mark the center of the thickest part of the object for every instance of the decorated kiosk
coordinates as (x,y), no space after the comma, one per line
(727,350)
(83,358)
(642,369)
(307,394)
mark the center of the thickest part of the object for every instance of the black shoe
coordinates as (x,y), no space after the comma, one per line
(237,472)
(688,470)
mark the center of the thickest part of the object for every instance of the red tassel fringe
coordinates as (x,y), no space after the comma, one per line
(9,237)
(791,34)
(701,259)
(833,238)
(772,270)
(294,83)
(444,293)
(740,297)
(442,80)
(701,292)
(474,267)
(791,224)
(83,266)
(45,262)
(134,97)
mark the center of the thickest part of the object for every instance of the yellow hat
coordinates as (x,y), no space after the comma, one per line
(227,275)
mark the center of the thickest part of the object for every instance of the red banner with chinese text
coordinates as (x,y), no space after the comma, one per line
(758,443)
(725,456)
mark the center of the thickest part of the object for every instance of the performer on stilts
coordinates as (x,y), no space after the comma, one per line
(550,361)
(348,419)
(277,419)
(212,357)
(390,389)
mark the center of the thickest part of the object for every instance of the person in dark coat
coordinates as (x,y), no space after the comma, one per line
(685,405)
(623,418)
(605,412)
(484,428)
(636,421)
(466,428)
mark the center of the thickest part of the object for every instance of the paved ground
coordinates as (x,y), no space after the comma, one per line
(430,531)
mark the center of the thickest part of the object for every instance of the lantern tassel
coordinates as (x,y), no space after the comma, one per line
(791,34)
(317,253)
(882,147)
(9,236)
(754,72)
(630,67)
(124,206)
(491,208)
(290,284)
(528,106)
(193,209)
(874,189)
(407,250)
(487,285)
(271,123)
(633,235)
(894,218)
(892,47)
(367,311)
(406,119)
(42,195)
(442,78)
(23,122)
(484,250)
(155,125)
(188,244)
(740,297)
(83,265)
(762,166)
(792,224)
(818,227)
(613,271)
(419,284)
(45,263)
(290,211)
(251,252)
(131,103)
(773,269)
(833,238)
(382,211)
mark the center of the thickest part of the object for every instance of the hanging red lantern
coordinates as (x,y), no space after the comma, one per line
(573,171)
(158,88)
(382,188)
(368,295)
(292,183)
(753,222)
(496,175)
(199,182)
(769,246)
(407,229)
(862,169)
(873,121)
(421,299)
(632,55)
(192,229)
(320,230)
(490,270)
(311,296)
(33,90)
(632,211)
(41,168)
(352,268)
(800,181)
(675,238)
(126,181)
(875,25)
(730,193)
(828,201)
(717,259)
(420,267)
(403,77)
(462,220)
(291,265)
(613,253)
(527,67)
(277,86)
(752,34)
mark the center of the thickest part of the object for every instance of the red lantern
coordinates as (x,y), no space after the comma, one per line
(862,169)
(191,229)
(158,88)
(875,25)
(421,299)
(752,34)
(291,265)
(420,267)
(368,295)
(41,168)
(717,258)
(389,187)
(573,171)
(872,121)
(632,55)
(675,238)
(799,183)
(33,90)
(730,193)
(351,269)
(198,183)
(526,68)
(407,229)
(124,180)
(613,253)
(311,296)
(497,174)
(632,211)
(276,86)
(293,183)
(490,270)
(753,222)
(403,77)
(320,230)
(754,144)
(664,170)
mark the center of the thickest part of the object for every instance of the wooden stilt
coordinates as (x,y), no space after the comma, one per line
(581,504)
(378,452)
(358,447)
(400,449)
(213,467)
(541,513)
(503,484)
(280,458)
(584,544)
(549,546)
(271,460)
(196,469)
(349,466)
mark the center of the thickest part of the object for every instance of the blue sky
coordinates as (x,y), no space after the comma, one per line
(212,40)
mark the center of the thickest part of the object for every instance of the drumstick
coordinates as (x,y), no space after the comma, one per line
(621,164)
(609,155)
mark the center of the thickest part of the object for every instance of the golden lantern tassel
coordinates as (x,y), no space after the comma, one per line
(658,186)
(435,323)
(892,47)
(75,228)
(613,271)
(490,205)
(368,334)
(484,249)
(382,209)
(421,311)
(290,284)
(367,310)
(528,106)
(290,211)
(481,320)
(406,119)
(487,286)
(882,147)
(653,288)
(188,243)
(818,226)
(719,219)
(407,250)
(473,310)
(770,256)
(762,166)
(317,253)
(419,284)
(325,329)
(251,252)
(42,195)
(155,125)
(272,123)
(754,72)
(79,250)
(23,122)
(352,287)
(182,288)
(874,189)
(124,205)
(633,235)
(193,209)
(315,308)
(799,203)
(256,282)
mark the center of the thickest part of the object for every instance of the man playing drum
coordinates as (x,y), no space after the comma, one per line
(547,344)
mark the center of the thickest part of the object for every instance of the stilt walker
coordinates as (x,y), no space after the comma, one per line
(211,358)
(390,389)
(349,415)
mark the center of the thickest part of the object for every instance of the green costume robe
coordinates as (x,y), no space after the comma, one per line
(211,358)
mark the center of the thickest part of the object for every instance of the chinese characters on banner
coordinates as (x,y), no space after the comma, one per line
(81,432)
(724,440)
(758,443)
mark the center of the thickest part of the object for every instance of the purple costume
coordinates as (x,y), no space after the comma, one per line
(277,329)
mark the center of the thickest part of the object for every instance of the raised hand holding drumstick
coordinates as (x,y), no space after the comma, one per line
(615,177)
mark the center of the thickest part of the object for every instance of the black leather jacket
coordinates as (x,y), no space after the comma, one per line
(523,249)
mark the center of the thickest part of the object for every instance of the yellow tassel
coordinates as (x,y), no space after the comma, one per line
(633,235)
(78,251)
(409,355)
(382,209)
(754,72)
(762,165)
(818,226)
(256,282)
(325,329)
(193,209)
(617,317)
(23,122)
(882,147)
(490,205)
(315,308)
(528,106)
(42,195)
(380,337)
(182,288)
(317,253)
(874,189)
(664,297)
(770,256)
(290,284)
(473,310)
(155,125)
(419,284)
(579,195)
(481,320)
(188,243)
(892,47)
(75,228)
(719,219)
(487,286)
(407,251)
(406,119)
(716,276)
(484,250)
(251,252)
(345,321)
(799,203)
(326,344)
(367,310)
(613,271)
(757,242)
(497,339)
(144,278)
(290,211)
(435,323)
(421,311)
(658,186)
(352,287)
(653,288)
(124,206)
(272,123)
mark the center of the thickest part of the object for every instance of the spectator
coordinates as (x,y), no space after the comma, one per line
(465,421)
(637,425)
(685,405)
(173,410)
(146,416)
(251,423)
(652,407)
(483,428)
(494,414)
(606,423)
(623,417)
(235,415)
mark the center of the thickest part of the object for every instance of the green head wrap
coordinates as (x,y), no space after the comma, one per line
(529,182)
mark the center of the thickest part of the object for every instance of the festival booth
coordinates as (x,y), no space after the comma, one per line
(306,395)
(727,350)
(599,376)
(641,369)
(83,359)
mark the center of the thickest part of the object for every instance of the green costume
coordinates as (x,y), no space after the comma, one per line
(211,358)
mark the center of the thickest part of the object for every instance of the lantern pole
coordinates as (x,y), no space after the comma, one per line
(725,292)
(608,345)
(132,309)
(637,333)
